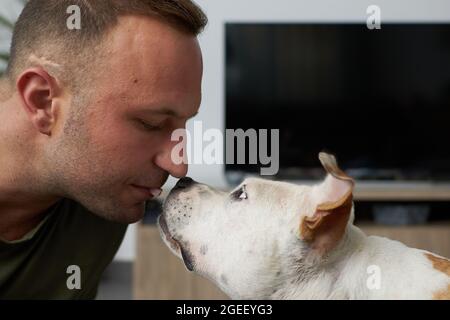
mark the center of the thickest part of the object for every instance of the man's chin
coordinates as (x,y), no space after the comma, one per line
(127,215)
(131,215)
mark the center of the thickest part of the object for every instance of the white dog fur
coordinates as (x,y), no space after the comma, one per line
(274,240)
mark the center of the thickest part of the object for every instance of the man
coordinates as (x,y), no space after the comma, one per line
(85,135)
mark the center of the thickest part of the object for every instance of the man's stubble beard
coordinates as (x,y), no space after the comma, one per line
(75,172)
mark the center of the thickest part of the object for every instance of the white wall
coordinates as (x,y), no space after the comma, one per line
(212,42)
(9,9)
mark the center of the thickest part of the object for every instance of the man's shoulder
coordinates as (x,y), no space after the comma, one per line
(69,236)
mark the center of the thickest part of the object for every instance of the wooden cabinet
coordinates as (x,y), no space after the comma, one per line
(434,237)
(160,275)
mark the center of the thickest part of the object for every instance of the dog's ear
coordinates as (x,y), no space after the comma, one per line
(332,200)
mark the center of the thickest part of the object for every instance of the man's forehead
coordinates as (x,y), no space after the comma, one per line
(145,37)
(153,69)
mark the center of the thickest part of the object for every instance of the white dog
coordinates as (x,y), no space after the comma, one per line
(274,240)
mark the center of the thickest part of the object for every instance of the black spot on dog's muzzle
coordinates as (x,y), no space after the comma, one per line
(187,259)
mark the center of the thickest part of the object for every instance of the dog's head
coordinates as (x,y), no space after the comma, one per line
(250,240)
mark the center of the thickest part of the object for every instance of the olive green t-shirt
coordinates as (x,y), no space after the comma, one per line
(62,258)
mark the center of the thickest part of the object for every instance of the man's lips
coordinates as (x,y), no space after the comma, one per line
(152,192)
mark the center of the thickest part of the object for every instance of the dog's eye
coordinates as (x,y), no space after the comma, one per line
(240,194)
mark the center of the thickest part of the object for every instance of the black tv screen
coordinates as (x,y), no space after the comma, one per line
(378,99)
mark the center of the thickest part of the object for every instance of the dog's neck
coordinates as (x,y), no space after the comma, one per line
(333,277)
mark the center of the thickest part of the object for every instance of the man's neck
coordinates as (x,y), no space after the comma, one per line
(22,205)
(16,220)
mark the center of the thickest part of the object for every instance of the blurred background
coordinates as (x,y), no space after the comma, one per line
(378,99)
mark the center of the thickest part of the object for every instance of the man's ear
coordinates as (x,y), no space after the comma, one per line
(37,90)
(332,200)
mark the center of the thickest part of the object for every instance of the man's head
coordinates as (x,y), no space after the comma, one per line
(98,105)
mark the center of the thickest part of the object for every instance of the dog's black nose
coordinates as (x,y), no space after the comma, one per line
(184,183)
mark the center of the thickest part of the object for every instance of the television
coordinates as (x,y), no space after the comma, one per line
(378,99)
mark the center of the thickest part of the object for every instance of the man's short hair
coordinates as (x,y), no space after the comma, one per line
(41,31)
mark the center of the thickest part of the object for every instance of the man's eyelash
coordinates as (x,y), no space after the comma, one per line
(149,126)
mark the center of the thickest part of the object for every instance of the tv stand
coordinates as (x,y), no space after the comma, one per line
(402,191)
(396,190)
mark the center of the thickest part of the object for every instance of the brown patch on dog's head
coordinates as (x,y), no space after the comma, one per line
(442,265)
(333,200)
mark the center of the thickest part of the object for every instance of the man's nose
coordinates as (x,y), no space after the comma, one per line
(165,162)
